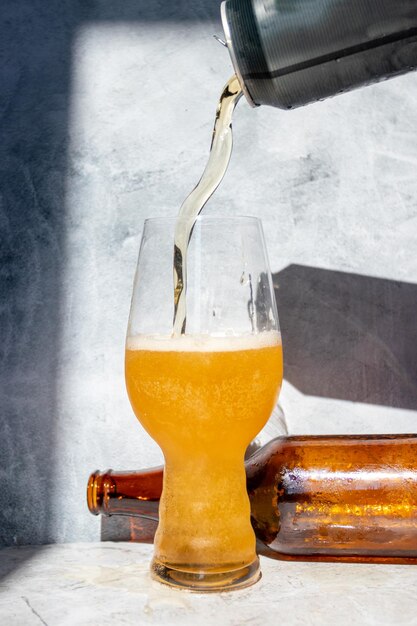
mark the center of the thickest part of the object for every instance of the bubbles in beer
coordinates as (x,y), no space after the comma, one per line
(220,152)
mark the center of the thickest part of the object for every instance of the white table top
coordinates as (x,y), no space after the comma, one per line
(108,583)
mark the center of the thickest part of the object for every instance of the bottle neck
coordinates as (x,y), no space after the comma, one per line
(135,493)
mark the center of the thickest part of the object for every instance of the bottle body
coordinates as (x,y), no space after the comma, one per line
(350,498)
(332,498)
(287,54)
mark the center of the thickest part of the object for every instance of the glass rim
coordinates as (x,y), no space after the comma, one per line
(206,218)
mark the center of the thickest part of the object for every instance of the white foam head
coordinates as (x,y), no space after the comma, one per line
(203,343)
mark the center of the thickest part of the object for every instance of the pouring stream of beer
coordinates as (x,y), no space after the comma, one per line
(220,152)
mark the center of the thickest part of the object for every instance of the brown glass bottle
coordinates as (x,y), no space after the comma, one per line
(326,498)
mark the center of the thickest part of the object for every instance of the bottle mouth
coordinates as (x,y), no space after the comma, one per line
(98,488)
(94,500)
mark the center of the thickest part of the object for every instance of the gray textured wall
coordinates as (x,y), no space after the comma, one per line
(107,110)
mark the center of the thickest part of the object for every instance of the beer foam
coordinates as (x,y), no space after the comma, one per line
(204,343)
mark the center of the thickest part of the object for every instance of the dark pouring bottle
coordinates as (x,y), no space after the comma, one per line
(287,53)
(327,498)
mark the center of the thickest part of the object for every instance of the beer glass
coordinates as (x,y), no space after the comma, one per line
(203,395)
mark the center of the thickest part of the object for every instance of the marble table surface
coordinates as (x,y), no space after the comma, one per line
(108,583)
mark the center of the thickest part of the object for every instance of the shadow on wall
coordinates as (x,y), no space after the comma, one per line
(348,336)
(35,44)
(35,75)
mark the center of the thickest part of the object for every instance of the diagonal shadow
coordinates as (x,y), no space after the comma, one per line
(348,336)
(35,41)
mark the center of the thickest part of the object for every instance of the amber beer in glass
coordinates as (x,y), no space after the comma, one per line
(205,394)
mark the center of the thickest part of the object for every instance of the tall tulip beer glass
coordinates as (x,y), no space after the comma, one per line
(203,395)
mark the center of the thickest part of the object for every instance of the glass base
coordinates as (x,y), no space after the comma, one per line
(206,581)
